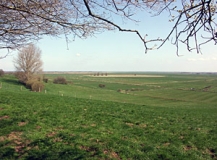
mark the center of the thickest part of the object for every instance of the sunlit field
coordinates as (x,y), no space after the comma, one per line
(113,116)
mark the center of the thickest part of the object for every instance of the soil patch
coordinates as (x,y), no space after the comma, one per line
(4,117)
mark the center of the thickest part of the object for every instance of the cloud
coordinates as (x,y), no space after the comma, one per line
(214,58)
(78,54)
(204,59)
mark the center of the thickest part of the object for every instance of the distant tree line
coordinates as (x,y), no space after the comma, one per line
(100,74)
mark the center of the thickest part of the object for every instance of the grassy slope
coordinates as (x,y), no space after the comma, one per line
(163,120)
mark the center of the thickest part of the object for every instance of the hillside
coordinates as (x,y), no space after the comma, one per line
(169,117)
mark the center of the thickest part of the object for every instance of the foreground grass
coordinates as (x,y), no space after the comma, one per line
(49,126)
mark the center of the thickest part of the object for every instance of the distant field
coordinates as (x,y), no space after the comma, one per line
(129,75)
(142,116)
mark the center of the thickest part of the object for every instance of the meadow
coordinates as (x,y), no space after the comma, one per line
(134,116)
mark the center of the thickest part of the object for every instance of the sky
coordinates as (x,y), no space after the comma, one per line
(121,51)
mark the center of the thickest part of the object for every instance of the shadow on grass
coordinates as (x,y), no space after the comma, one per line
(70,153)
(49,153)
(11,81)
(42,149)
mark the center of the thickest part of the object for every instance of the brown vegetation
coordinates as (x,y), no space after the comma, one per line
(60,80)
(37,86)
(102,85)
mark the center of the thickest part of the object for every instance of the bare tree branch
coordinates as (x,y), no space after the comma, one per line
(25,21)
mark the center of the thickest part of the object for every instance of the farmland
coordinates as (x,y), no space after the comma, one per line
(133,116)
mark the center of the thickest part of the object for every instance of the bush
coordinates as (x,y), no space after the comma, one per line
(29,83)
(60,80)
(1,72)
(101,85)
(37,86)
(45,80)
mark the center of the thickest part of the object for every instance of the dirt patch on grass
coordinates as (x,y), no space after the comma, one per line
(143,125)
(187,148)
(212,153)
(22,123)
(51,134)
(4,117)
(166,144)
(90,149)
(2,138)
(16,141)
(57,139)
(130,124)
(14,136)
(38,127)
(93,125)
(112,154)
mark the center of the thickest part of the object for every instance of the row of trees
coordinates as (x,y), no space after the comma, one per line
(24,21)
(100,74)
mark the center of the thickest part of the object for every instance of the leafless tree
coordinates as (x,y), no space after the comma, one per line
(23,21)
(28,62)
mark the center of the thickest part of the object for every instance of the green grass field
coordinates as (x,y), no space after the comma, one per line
(173,116)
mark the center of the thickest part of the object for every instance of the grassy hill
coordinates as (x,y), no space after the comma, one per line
(166,117)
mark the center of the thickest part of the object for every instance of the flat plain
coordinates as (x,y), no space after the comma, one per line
(113,116)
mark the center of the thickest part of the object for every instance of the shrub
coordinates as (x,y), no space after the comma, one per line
(37,86)
(45,80)
(1,72)
(60,80)
(29,83)
(101,85)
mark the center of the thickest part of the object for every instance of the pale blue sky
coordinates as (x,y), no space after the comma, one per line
(121,51)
